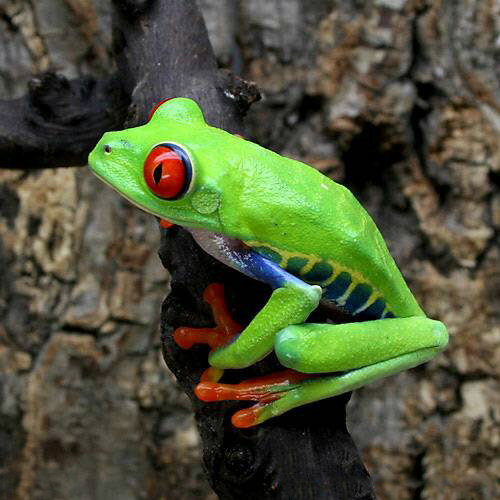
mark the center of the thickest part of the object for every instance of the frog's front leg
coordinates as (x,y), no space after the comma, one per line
(365,351)
(290,303)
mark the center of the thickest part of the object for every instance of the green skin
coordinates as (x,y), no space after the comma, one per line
(253,195)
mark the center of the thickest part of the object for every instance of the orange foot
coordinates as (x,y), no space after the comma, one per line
(226,328)
(263,390)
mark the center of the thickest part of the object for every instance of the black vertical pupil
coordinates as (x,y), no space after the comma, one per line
(157,173)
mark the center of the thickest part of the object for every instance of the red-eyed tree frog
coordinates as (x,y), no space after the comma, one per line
(284,223)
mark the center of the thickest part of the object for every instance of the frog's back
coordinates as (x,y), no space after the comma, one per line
(316,229)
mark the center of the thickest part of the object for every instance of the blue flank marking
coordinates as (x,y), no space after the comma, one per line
(338,286)
(358,297)
(262,269)
(375,311)
(320,272)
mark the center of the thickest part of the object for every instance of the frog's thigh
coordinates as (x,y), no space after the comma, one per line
(369,351)
(322,348)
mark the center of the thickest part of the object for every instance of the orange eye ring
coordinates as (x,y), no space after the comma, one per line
(168,171)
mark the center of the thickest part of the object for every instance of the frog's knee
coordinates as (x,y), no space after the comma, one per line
(288,347)
(441,335)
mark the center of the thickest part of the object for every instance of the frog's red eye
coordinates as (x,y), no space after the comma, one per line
(168,171)
(155,107)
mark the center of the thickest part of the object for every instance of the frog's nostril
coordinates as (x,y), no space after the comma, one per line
(107,149)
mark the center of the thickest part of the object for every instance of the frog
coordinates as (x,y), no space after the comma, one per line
(284,223)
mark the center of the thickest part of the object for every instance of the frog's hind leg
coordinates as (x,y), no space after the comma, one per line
(262,390)
(365,352)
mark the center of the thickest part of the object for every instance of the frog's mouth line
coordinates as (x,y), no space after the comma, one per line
(133,202)
(175,220)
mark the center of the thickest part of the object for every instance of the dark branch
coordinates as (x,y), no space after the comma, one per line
(132,8)
(308,453)
(167,54)
(59,121)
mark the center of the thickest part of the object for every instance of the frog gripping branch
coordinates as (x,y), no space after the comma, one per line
(283,223)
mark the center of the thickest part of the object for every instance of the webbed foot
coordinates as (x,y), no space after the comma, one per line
(226,328)
(264,390)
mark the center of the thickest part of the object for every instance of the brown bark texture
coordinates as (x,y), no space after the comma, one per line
(397,99)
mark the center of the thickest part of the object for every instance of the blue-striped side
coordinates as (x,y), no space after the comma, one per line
(375,310)
(356,299)
(320,273)
(338,286)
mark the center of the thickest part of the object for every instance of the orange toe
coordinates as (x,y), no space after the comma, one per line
(214,296)
(186,337)
(248,417)
(226,328)
(211,374)
(209,392)
(213,293)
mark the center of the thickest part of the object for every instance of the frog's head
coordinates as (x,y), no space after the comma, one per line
(163,166)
